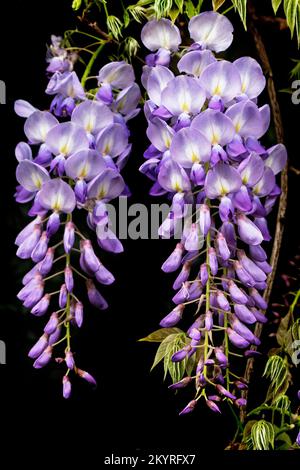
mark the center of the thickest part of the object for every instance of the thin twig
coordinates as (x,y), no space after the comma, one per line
(262,53)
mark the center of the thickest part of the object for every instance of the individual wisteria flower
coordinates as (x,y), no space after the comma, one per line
(205,154)
(65,167)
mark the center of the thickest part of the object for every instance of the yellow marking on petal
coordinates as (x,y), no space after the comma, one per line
(238,126)
(106,149)
(64,149)
(37,181)
(214,139)
(177,187)
(167,142)
(195,157)
(185,107)
(57,202)
(217,90)
(84,171)
(102,193)
(244,87)
(89,126)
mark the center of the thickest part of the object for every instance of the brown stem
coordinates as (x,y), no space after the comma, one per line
(262,53)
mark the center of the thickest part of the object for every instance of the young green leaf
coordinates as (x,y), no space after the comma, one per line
(276,4)
(241,7)
(159,335)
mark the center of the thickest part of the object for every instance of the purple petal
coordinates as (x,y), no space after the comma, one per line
(246,118)
(183,94)
(23,108)
(211,30)
(277,158)
(252,77)
(194,62)
(108,185)
(85,164)
(221,79)
(189,146)
(92,116)
(157,81)
(118,74)
(215,126)
(37,126)
(161,33)
(172,177)
(31,176)
(113,140)
(57,196)
(221,180)
(67,138)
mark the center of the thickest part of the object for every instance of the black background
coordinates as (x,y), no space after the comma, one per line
(131,408)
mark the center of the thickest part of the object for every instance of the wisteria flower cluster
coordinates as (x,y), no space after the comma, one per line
(204,127)
(66,166)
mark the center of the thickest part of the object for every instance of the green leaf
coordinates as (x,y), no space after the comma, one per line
(159,335)
(292,13)
(179,4)
(126,18)
(262,435)
(163,349)
(284,441)
(190,9)
(217,4)
(114,26)
(241,7)
(276,4)
(76,4)
(282,329)
(174,14)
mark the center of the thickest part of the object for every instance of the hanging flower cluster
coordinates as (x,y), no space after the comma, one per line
(65,167)
(204,126)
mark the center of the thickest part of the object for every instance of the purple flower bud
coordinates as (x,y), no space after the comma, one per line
(243,275)
(195,334)
(182,276)
(244,314)
(104,276)
(47,262)
(236,293)
(89,257)
(63,295)
(67,387)
(203,274)
(213,406)
(34,295)
(260,317)
(173,317)
(70,360)
(221,357)
(252,353)
(241,402)
(258,299)
(54,337)
(69,236)
(209,362)
(240,385)
(213,263)
(214,398)
(257,253)
(30,275)
(86,376)
(52,324)
(255,272)
(179,355)
(42,306)
(94,296)
(248,231)
(31,285)
(39,347)
(27,231)
(78,314)
(40,250)
(69,281)
(27,246)
(222,246)
(209,320)
(262,225)
(298,394)
(264,266)
(222,390)
(80,190)
(181,384)
(222,301)
(44,358)
(173,261)
(189,408)
(236,339)
(204,219)
(53,224)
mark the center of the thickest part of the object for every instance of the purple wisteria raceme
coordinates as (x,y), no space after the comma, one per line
(65,168)
(205,154)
